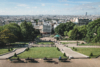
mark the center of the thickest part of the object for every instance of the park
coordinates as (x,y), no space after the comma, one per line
(72,48)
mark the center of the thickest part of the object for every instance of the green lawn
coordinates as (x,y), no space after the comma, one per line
(3,51)
(87,51)
(45,43)
(90,44)
(41,52)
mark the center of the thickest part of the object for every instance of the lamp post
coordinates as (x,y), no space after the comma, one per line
(77,39)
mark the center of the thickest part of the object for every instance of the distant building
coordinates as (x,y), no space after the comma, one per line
(55,25)
(45,30)
(86,14)
(81,21)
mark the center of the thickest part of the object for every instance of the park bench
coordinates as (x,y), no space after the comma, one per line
(47,59)
(29,59)
(63,59)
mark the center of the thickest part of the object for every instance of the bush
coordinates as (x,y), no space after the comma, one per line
(11,48)
(8,49)
(73,48)
(82,43)
(58,49)
(64,54)
(15,55)
(91,54)
(76,49)
(27,49)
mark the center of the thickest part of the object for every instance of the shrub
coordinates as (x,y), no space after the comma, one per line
(67,45)
(64,54)
(82,43)
(11,48)
(27,49)
(8,49)
(58,49)
(15,55)
(76,49)
(91,54)
(73,48)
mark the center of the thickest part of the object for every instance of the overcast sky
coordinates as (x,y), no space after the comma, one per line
(51,7)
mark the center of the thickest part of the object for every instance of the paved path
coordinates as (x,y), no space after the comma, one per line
(18,51)
(75,45)
(70,52)
(42,63)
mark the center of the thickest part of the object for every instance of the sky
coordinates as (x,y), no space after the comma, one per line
(49,7)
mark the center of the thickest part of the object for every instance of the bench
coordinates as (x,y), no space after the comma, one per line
(47,59)
(63,59)
(29,59)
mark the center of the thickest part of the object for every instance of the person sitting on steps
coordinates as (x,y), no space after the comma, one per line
(60,58)
(45,58)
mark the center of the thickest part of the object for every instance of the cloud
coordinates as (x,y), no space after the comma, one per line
(43,4)
(66,4)
(15,7)
(27,7)
(22,5)
(62,0)
(34,7)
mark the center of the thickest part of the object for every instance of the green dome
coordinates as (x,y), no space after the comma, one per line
(57,36)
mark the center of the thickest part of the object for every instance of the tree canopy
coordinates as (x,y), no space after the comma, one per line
(7,37)
(14,29)
(93,31)
(27,30)
(64,27)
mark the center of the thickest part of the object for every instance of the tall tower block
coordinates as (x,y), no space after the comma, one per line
(86,14)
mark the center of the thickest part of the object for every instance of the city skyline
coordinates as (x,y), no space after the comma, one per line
(49,7)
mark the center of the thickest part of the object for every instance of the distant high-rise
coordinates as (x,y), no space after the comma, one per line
(86,14)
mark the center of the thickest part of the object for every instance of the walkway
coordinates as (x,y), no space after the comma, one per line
(70,52)
(18,51)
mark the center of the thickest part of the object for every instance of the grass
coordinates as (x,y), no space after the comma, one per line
(88,51)
(45,43)
(90,44)
(68,42)
(3,51)
(41,52)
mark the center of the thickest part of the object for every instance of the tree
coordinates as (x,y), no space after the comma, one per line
(75,34)
(37,32)
(7,37)
(65,33)
(83,30)
(24,29)
(64,27)
(27,30)
(1,28)
(36,20)
(14,29)
(69,33)
(93,31)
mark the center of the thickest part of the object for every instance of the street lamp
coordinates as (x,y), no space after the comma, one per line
(77,39)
